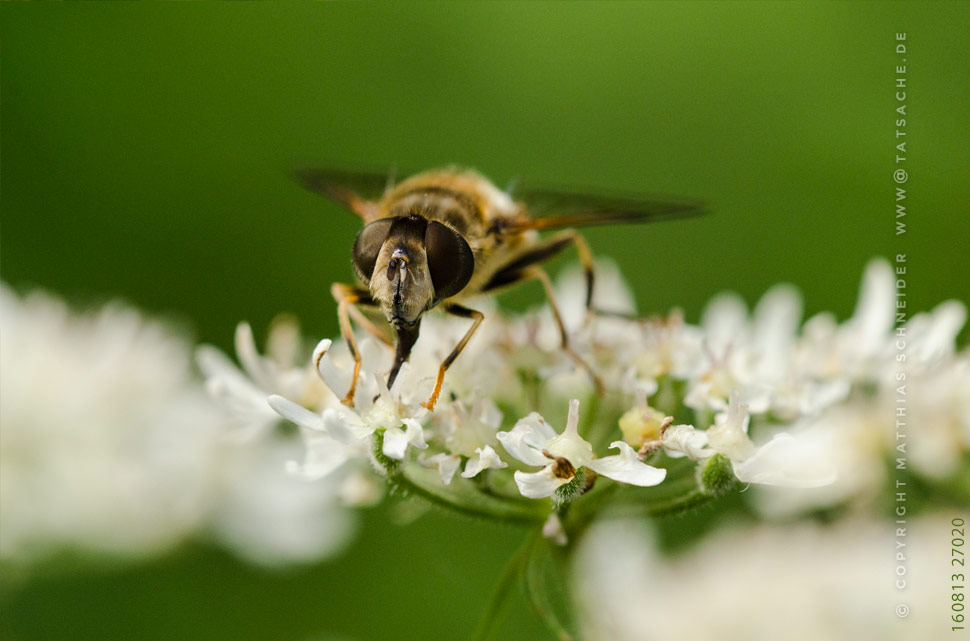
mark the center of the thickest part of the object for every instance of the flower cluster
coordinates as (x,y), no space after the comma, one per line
(130,455)
(111,447)
(803,582)
(760,399)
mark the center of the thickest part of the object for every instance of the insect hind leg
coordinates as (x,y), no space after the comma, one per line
(541,275)
(518,269)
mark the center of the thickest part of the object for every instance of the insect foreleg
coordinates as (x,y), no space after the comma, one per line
(367,324)
(346,296)
(464,312)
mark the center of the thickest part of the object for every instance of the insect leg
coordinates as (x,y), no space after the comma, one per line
(543,277)
(586,260)
(464,312)
(516,269)
(346,296)
(367,324)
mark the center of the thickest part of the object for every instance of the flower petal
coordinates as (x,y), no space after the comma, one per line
(415,434)
(538,485)
(323,456)
(729,434)
(570,445)
(552,529)
(395,443)
(447,465)
(787,461)
(684,440)
(296,413)
(396,440)
(345,425)
(249,357)
(487,458)
(336,379)
(625,467)
(872,320)
(527,439)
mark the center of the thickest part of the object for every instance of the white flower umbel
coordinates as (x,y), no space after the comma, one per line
(109,444)
(762,369)
(803,582)
(535,443)
(105,441)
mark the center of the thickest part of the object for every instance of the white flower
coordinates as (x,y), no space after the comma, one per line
(667,347)
(447,464)
(270,517)
(859,437)
(397,440)
(785,460)
(535,443)
(110,444)
(733,368)
(470,434)
(487,458)
(931,336)
(350,427)
(854,439)
(370,413)
(684,440)
(801,582)
(861,348)
(243,391)
(331,440)
(106,441)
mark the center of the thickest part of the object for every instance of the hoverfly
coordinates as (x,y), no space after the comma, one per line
(447,235)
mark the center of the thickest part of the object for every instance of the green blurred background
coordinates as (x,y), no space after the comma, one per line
(144,156)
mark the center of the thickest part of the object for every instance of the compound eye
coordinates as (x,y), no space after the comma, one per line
(450,260)
(368,246)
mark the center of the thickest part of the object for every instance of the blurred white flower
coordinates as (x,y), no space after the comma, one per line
(799,583)
(105,437)
(109,444)
(273,518)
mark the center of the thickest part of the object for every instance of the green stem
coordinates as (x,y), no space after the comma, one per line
(679,504)
(538,592)
(606,502)
(468,503)
(502,591)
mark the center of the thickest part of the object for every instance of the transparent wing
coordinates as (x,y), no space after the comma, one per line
(355,191)
(555,208)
